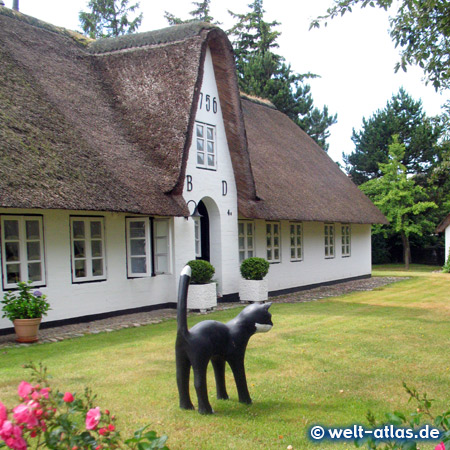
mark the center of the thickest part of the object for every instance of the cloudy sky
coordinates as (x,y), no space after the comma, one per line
(353,55)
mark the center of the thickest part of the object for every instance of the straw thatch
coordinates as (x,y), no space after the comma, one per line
(443,225)
(107,125)
(294,177)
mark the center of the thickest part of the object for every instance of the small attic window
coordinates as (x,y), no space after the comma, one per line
(205,141)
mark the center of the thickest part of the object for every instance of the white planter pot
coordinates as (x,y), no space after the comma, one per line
(253,290)
(202,296)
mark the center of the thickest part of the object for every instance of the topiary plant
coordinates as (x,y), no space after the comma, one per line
(254,268)
(202,271)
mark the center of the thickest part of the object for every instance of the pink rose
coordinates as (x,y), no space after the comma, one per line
(44,392)
(68,397)
(25,389)
(26,414)
(3,413)
(440,446)
(93,418)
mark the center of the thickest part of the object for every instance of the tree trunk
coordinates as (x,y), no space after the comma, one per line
(406,251)
(16,5)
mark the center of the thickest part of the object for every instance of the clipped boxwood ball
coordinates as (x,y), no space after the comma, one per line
(254,268)
(202,271)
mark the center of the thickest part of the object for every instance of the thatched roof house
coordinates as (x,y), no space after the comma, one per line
(107,125)
(109,147)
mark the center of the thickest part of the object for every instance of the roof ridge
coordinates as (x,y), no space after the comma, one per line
(165,35)
(258,100)
(30,20)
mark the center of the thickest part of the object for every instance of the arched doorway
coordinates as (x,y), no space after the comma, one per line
(204,232)
(210,236)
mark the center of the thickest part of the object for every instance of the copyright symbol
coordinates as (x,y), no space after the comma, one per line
(317,432)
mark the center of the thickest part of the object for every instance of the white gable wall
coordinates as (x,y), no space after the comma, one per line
(207,184)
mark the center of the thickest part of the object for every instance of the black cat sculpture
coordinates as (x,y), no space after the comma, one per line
(216,342)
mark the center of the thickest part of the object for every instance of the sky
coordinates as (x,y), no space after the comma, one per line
(354,55)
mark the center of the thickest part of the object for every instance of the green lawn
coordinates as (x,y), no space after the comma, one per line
(324,362)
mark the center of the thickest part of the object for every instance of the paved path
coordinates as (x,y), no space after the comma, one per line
(139,319)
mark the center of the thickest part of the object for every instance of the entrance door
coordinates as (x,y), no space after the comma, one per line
(204,232)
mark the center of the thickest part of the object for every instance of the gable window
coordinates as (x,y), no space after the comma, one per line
(147,250)
(346,239)
(273,242)
(296,236)
(329,240)
(22,250)
(88,249)
(246,240)
(205,136)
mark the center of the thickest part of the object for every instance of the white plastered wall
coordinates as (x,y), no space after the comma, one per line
(315,268)
(207,185)
(447,242)
(69,300)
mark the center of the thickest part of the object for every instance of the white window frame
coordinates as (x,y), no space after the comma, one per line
(148,264)
(296,240)
(87,220)
(23,250)
(329,240)
(198,237)
(166,253)
(247,250)
(204,142)
(346,240)
(271,242)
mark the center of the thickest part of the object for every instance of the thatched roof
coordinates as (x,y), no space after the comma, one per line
(294,177)
(106,126)
(443,225)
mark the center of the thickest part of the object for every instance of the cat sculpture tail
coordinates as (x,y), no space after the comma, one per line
(185,277)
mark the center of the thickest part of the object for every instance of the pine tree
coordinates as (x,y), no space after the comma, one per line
(201,13)
(264,73)
(109,18)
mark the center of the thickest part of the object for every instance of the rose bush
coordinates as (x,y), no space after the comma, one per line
(50,419)
(421,415)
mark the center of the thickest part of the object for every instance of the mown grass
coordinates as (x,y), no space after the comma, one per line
(327,362)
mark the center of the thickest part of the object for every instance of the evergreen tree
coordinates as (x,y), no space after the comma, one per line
(109,18)
(401,200)
(201,13)
(264,73)
(404,117)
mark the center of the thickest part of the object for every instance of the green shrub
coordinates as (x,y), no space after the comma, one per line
(446,268)
(254,268)
(25,303)
(202,271)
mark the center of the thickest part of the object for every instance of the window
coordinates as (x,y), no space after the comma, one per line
(145,259)
(197,237)
(273,242)
(206,145)
(296,236)
(138,247)
(22,250)
(246,240)
(346,239)
(88,249)
(329,240)
(161,245)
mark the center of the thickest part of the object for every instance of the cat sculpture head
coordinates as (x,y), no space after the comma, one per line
(257,314)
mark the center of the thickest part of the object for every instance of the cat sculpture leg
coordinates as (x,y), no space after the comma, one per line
(216,342)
